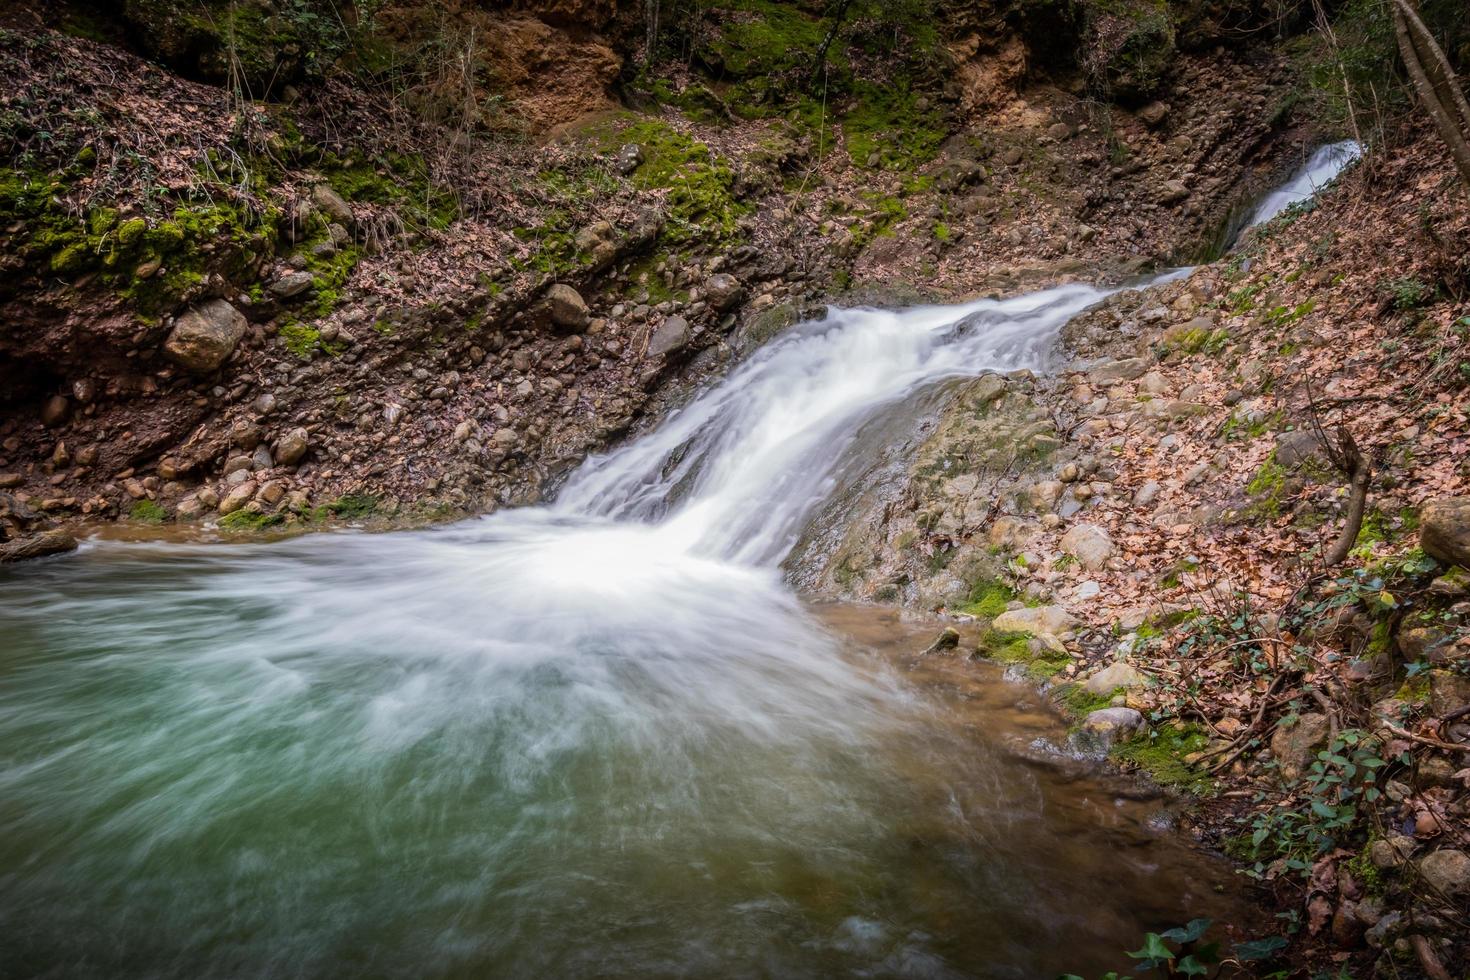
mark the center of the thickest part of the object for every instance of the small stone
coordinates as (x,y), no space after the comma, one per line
(204,336)
(1114,676)
(1124,370)
(723,291)
(1173,192)
(1035,620)
(56,411)
(330,203)
(1090,544)
(1391,852)
(1444,530)
(238,497)
(671,335)
(1059,131)
(630,156)
(1106,726)
(1447,871)
(271,492)
(946,640)
(291,284)
(1153,114)
(261,459)
(10,480)
(1294,746)
(567,307)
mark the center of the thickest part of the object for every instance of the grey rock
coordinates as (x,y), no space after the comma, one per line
(1090,544)
(1297,447)
(291,284)
(723,291)
(1105,726)
(1124,370)
(1036,620)
(204,336)
(1447,871)
(332,204)
(1114,676)
(672,335)
(238,496)
(629,157)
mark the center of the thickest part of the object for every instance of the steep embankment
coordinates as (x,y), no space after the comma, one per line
(309,271)
(1149,533)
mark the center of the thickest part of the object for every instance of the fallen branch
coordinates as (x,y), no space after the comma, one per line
(1425,740)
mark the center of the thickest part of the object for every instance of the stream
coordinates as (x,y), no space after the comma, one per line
(602,737)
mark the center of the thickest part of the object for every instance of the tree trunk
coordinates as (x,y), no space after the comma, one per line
(821,62)
(1450,122)
(1359,471)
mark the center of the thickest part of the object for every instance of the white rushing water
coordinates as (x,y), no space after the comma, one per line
(1321,168)
(600,737)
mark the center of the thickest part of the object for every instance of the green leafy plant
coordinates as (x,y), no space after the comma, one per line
(1183,952)
(1329,809)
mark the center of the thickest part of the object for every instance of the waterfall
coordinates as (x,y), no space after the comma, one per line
(596,738)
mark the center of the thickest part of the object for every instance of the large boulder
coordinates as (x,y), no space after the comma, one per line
(1444,530)
(204,336)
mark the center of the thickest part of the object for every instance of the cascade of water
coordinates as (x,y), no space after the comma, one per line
(595,738)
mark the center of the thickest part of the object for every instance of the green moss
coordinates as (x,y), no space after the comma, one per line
(988,598)
(353,506)
(1267,486)
(886,122)
(148,512)
(1076,701)
(400,180)
(245,521)
(1015,649)
(130,232)
(1161,753)
(300,339)
(700,185)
